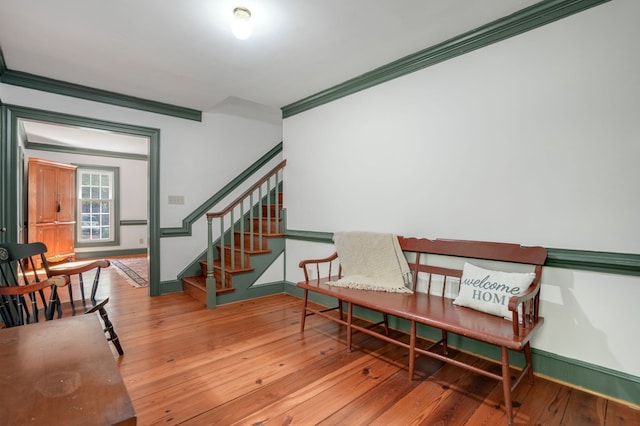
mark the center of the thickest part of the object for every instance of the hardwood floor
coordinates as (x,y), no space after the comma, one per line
(247,364)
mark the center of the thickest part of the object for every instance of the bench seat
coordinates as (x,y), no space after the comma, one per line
(435,311)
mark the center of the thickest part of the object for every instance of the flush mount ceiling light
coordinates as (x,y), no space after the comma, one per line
(241,25)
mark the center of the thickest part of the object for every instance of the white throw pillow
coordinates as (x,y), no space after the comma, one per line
(489,291)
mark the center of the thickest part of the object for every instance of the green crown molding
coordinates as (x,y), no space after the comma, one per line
(524,20)
(199,212)
(31,81)
(84,151)
(598,261)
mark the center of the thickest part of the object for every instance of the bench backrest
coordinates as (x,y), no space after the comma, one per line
(482,250)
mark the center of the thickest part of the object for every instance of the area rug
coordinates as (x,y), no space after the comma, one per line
(133,270)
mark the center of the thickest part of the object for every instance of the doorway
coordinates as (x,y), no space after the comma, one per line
(14,142)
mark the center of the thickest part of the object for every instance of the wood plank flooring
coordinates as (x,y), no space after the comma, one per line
(247,364)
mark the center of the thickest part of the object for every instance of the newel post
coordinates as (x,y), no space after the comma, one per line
(211,281)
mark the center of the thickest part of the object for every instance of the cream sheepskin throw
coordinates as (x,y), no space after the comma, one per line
(372,261)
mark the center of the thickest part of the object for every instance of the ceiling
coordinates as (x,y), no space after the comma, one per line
(182,52)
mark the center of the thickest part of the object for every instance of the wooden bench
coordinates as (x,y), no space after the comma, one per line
(426,259)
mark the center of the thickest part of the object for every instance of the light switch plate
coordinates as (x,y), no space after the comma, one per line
(176,199)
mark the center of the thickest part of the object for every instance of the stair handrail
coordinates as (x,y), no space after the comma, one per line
(229,210)
(246,193)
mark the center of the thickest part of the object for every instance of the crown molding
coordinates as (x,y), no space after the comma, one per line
(31,81)
(522,21)
(84,151)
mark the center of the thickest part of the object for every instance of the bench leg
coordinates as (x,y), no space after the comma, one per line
(529,360)
(412,350)
(340,310)
(304,310)
(349,319)
(506,385)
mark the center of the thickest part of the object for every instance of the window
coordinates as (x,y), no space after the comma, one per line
(97,205)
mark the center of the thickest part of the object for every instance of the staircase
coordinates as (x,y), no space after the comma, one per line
(242,252)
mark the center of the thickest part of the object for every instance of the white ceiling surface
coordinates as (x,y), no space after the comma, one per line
(182,52)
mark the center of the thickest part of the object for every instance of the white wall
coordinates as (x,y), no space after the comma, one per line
(196,158)
(533,140)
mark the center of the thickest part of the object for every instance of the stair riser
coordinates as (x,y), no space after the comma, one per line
(247,241)
(196,292)
(216,272)
(276,226)
(271,210)
(238,257)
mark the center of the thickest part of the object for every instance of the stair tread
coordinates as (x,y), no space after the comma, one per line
(227,269)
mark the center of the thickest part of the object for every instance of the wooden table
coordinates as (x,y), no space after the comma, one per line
(61,372)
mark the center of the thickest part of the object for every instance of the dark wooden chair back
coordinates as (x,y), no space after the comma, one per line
(27,295)
(22,265)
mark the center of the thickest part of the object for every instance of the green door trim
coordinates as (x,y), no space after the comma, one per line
(9,161)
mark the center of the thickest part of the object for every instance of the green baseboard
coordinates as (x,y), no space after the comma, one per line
(170,286)
(110,253)
(589,377)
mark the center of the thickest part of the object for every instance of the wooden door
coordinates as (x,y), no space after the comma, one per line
(45,189)
(66,197)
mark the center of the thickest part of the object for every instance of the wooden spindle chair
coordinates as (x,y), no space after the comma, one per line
(31,264)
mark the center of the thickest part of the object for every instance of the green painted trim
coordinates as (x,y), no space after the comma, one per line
(8,158)
(584,260)
(576,373)
(8,174)
(170,286)
(84,151)
(31,81)
(527,19)
(139,222)
(613,263)
(595,378)
(3,64)
(312,236)
(155,288)
(199,212)
(110,253)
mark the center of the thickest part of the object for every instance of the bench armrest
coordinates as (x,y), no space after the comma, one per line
(524,307)
(327,262)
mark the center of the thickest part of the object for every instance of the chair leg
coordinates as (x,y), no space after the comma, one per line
(304,311)
(108,328)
